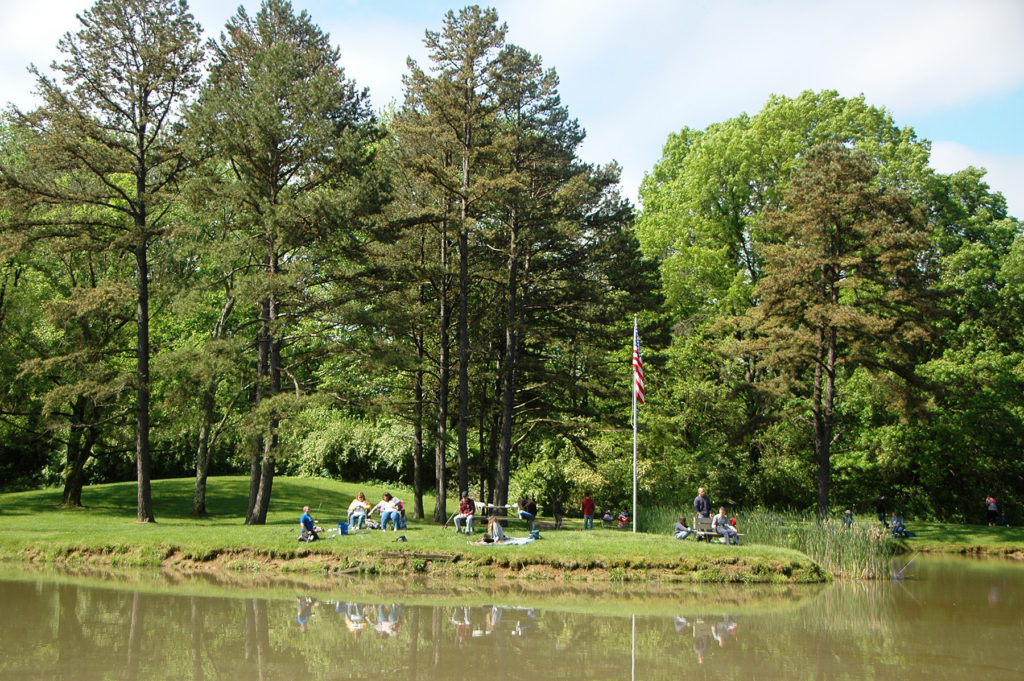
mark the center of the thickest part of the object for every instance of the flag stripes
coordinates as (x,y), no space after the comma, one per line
(638,366)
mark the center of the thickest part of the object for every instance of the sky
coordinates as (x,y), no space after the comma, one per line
(632,71)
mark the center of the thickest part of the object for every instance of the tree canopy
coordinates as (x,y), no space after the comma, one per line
(218,259)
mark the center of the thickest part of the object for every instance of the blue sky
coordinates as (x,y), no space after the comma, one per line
(632,72)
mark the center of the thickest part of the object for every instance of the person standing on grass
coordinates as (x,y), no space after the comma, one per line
(558,511)
(883,510)
(588,511)
(701,504)
(992,510)
(307,528)
(720,524)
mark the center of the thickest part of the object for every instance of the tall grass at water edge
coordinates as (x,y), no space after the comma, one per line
(863,551)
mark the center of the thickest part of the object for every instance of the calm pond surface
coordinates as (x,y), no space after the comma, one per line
(941,620)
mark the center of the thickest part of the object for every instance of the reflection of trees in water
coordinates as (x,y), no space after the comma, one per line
(135,634)
(854,630)
(69,631)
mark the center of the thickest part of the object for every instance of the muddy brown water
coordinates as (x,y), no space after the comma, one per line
(937,619)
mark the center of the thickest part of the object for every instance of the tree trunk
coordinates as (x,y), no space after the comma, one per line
(79,451)
(822,406)
(206,417)
(254,478)
(271,438)
(142,454)
(463,331)
(262,372)
(417,452)
(440,454)
(508,387)
(417,427)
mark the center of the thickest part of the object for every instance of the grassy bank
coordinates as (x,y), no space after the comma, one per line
(33,529)
(864,550)
(778,548)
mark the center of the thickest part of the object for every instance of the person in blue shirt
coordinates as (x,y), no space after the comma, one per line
(897,526)
(307,527)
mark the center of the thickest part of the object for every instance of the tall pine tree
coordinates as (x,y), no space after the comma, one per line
(108,137)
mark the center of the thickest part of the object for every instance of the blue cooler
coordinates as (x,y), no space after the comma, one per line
(342,528)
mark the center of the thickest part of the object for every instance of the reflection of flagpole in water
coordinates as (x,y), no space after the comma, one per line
(632,673)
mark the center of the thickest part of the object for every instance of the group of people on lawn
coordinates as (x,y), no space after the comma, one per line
(721,524)
(391,509)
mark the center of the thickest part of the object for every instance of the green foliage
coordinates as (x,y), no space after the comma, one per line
(319,292)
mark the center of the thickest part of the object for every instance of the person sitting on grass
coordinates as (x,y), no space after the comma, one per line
(307,526)
(495,534)
(357,512)
(720,524)
(682,530)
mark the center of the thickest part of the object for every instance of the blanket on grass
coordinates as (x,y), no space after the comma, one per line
(513,541)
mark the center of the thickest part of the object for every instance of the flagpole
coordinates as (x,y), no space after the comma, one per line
(634,438)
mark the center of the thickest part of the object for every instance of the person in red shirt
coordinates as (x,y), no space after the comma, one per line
(467,509)
(588,512)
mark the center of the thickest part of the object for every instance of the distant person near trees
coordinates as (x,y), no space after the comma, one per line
(701,504)
(558,511)
(992,510)
(882,508)
(588,511)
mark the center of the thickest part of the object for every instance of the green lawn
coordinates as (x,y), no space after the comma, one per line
(971,539)
(33,526)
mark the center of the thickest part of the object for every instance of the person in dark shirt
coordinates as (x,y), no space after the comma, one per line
(558,511)
(882,508)
(701,504)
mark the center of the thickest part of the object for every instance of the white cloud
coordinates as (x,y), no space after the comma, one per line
(633,72)
(1005,173)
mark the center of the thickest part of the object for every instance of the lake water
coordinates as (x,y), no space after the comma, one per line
(936,620)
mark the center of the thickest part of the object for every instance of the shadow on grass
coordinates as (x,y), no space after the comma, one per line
(968,535)
(227,499)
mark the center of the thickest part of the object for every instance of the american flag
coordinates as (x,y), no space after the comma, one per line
(638,366)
